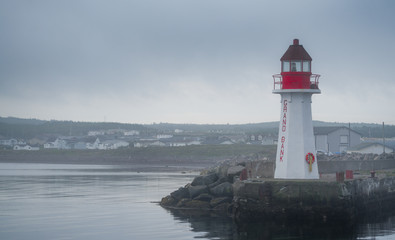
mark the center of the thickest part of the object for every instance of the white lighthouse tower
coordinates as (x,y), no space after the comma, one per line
(296,154)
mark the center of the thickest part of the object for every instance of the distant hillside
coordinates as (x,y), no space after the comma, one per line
(29,128)
(365,129)
(215,128)
(11,127)
(13,120)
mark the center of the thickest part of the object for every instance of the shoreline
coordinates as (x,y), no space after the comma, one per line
(184,169)
(156,164)
(199,157)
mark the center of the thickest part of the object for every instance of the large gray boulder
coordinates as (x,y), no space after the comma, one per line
(223,170)
(235,170)
(182,202)
(197,204)
(204,197)
(180,193)
(220,200)
(218,182)
(168,201)
(204,179)
(222,190)
(195,191)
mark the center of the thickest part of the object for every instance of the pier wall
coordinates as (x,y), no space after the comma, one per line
(367,165)
(311,200)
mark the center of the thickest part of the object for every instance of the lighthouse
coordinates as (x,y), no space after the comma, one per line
(296,154)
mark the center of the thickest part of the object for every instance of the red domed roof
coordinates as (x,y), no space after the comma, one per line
(296,52)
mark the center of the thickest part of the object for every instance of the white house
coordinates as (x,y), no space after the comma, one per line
(96,133)
(131,133)
(370,147)
(57,144)
(26,148)
(160,136)
(178,131)
(11,142)
(95,145)
(147,143)
(114,144)
(177,144)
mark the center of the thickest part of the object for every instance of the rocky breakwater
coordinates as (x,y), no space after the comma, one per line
(247,192)
(213,189)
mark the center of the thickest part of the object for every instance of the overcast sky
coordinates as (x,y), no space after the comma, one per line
(192,61)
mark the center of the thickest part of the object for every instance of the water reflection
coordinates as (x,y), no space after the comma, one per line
(377,227)
(210,224)
(215,226)
(44,201)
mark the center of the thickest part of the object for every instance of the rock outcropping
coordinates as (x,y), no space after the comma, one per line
(213,190)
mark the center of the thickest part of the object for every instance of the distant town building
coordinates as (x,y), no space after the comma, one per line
(335,139)
(262,139)
(11,142)
(95,145)
(178,131)
(25,148)
(160,136)
(131,133)
(389,142)
(57,144)
(370,147)
(96,133)
(114,144)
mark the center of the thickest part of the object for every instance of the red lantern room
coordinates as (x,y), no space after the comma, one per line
(296,69)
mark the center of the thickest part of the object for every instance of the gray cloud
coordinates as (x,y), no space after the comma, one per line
(190,61)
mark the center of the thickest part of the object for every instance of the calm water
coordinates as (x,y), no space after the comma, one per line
(52,201)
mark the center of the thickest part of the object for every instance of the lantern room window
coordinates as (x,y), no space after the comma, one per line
(306,66)
(296,66)
(286,66)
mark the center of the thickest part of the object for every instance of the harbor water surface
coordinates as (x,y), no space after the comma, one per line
(64,201)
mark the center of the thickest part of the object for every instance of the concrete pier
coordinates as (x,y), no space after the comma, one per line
(312,200)
(247,191)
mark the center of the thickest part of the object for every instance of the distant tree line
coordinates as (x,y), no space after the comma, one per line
(376,131)
(30,128)
(63,128)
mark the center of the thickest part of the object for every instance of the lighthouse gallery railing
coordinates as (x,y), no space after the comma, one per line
(278,81)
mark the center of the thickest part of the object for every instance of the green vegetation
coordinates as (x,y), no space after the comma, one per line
(194,152)
(201,151)
(17,128)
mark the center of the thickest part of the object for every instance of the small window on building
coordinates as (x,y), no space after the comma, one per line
(296,66)
(286,66)
(306,66)
(344,139)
